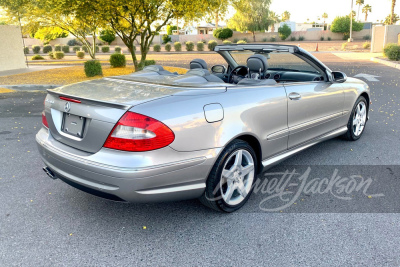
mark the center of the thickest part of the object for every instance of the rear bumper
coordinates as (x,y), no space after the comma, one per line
(153,176)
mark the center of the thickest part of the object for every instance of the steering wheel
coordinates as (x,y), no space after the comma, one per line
(235,77)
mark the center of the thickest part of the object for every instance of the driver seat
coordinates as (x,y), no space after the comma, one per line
(198,63)
(257,67)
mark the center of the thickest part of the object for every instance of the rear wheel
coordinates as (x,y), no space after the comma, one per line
(357,120)
(231,179)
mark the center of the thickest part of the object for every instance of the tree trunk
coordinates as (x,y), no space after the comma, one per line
(392,13)
(216,19)
(94,46)
(254,36)
(273,27)
(366,16)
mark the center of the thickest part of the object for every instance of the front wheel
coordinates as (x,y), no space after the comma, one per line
(357,120)
(231,179)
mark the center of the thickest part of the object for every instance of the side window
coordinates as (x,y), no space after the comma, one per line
(289,62)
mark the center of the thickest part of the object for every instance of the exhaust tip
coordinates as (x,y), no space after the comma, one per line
(49,173)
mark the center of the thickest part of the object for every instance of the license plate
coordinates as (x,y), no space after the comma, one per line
(73,124)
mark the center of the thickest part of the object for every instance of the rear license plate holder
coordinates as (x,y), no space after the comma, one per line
(73,124)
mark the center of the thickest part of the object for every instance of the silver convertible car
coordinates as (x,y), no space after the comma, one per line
(154,135)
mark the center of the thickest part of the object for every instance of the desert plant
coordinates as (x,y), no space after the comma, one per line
(117,49)
(93,68)
(392,51)
(37,57)
(265,40)
(329,38)
(117,60)
(367,37)
(367,45)
(292,38)
(105,49)
(273,39)
(235,40)
(59,55)
(344,46)
(167,47)
(36,49)
(284,32)
(80,54)
(57,47)
(222,33)
(301,38)
(85,49)
(166,39)
(189,46)
(51,55)
(211,45)
(26,50)
(157,48)
(226,42)
(76,48)
(178,46)
(200,46)
(322,38)
(97,48)
(47,49)
(241,42)
(107,36)
(73,42)
(65,48)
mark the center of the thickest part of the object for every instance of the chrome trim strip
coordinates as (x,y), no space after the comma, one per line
(313,123)
(172,189)
(278,134)
(121,169)
(271,161)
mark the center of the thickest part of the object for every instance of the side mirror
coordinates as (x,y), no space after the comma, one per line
(218,69)
(339,77)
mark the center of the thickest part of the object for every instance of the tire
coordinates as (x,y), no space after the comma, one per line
(357,116)
(229,192)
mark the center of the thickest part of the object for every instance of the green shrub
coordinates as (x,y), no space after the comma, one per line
(59,55)
(85,49)
(36,49)
(211,45)
(47,49)
(51,55)
(367,37)
(167,47)
(73,42)
(93,68)
(189,46)
(105,49)
(367,45)
(117,49)
(37,57)
(26,50)
(157,48)
(245,39)
(273,39)
(301,38)
(284,32)
(76,48)
(166,38)
(265,40)
(242,42)
(392,51)
(200,46)
(226,42)
(322,38)
(65,48)
(344,46)
(346,36)
(107,36)
(80,54)
(117,60)
(235,40)
(178,46)
(57,47)
(329,38)
(222,33)
(147,62)
(97,48)
(292,38)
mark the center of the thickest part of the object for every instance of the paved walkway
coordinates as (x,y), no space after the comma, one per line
(29,69)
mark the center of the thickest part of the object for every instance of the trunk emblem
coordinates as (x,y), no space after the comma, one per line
(67,107)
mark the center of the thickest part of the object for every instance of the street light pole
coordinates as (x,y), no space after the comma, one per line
(351,24)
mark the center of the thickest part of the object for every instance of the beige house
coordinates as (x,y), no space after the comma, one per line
(11,48)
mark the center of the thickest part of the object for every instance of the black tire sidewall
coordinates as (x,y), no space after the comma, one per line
(350,123)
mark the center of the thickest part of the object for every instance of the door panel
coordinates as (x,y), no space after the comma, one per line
(314,109)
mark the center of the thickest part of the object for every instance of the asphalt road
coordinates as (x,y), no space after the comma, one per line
(46,223)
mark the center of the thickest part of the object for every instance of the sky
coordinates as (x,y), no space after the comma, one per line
(300,10)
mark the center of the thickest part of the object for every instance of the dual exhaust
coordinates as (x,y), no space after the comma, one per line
(49,173)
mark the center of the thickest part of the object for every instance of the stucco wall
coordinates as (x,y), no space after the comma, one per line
(383,35)
(11,48)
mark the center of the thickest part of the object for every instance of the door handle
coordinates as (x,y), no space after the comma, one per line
(294,96)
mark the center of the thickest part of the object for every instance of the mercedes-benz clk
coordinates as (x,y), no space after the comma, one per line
(159,136)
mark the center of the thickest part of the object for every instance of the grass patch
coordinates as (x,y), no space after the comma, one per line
(5,90)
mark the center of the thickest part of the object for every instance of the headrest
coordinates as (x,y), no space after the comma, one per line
(257,62)
(198,63)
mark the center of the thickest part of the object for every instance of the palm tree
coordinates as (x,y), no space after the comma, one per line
(273,18)
(365,10)
(359,3)
(392,13)
(286,16)
(324,16)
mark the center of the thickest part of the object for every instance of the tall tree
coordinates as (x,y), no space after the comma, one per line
(273,18)
(286,16)
(359,3)
(391,19)
(251,16)
(217,9)
(325,16)
(392,12)
(366,9)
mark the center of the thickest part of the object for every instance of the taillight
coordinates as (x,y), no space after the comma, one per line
(137,132)
(44,120)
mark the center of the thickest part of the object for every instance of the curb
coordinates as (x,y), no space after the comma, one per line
(30,87)
(386,62)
